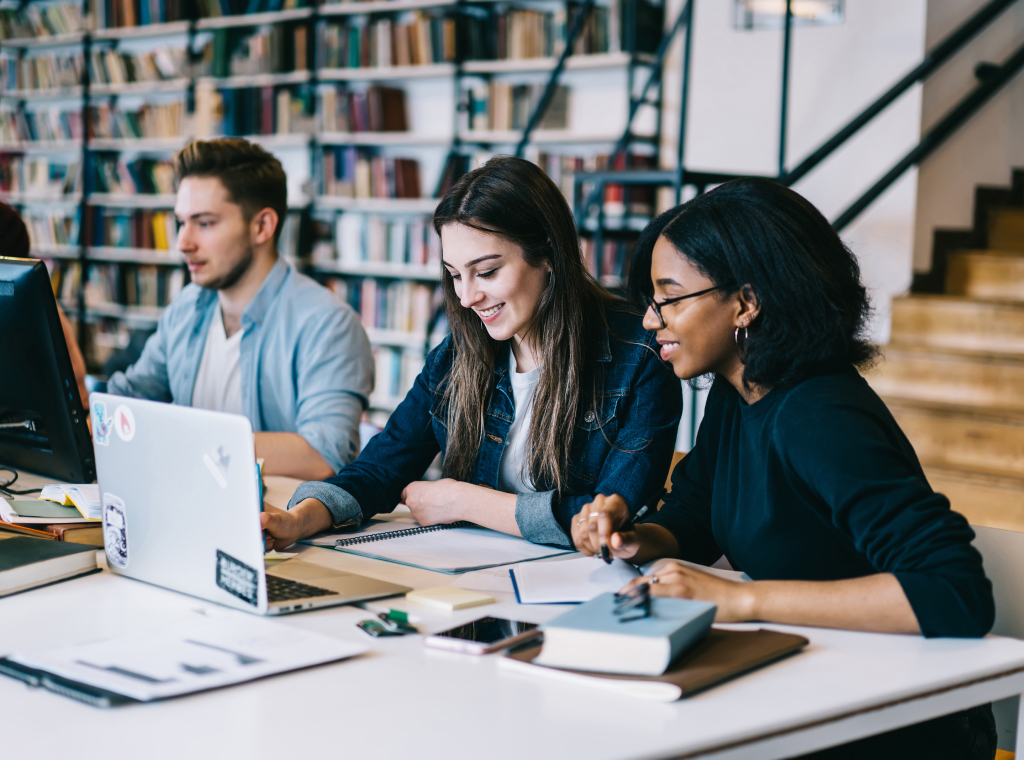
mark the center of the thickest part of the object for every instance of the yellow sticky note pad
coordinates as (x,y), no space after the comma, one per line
(449,598)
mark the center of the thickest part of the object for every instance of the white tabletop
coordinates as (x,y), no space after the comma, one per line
(402,700)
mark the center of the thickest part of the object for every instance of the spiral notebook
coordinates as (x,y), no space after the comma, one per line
(456,548)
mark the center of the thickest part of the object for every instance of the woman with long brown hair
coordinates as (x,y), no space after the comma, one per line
(547,392)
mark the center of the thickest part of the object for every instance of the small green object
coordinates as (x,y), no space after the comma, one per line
(398,616)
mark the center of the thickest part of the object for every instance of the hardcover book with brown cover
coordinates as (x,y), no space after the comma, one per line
(722,654)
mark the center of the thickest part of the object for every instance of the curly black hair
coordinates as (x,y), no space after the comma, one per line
(757,233)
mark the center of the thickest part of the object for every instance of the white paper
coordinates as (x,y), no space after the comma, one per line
(382,524)
(573,580)
(455,550)
(191,658)
(489,579)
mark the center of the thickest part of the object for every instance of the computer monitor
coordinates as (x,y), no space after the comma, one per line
(42,423)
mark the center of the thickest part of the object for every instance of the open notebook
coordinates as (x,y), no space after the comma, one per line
(456,548)
(584,578)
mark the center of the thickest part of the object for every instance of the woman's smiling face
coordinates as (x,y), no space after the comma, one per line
(698,333)
(492,277)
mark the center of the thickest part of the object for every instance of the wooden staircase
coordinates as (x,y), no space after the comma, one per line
(953,373)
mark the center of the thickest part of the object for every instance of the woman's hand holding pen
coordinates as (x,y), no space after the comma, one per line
(736,601)
(596,526)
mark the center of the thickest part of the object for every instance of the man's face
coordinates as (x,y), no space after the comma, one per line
(214,236)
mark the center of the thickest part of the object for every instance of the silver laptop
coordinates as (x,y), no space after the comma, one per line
(181,501)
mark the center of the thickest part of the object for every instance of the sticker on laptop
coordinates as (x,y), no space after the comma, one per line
(124,423)
(217,462)
(115,530)
(237,578)
(101,424)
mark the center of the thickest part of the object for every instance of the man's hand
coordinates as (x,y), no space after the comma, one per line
(434,502)
(283,528)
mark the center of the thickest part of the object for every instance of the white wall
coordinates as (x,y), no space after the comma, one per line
(985,150)
(835,72)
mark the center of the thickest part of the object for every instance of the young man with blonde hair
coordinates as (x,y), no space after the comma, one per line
(250,335)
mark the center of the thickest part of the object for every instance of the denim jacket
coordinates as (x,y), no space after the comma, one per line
(625,449)
(305,361)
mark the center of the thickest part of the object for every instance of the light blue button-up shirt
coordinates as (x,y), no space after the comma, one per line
(305,361)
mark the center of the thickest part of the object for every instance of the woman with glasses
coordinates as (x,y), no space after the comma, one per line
(547,392)
(800,476)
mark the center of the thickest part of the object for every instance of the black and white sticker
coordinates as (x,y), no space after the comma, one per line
(237,578)
(115,530)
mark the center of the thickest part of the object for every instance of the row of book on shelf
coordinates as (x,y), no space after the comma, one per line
(270,49)
(131,228)
(48,123)
(398,305)
(143,175)
(375,109)
(110,66)
(39,176)
(500,105)
(360,238)
(351,172)
(128,13)
(36,20)
(105,284)
(42,72)
(610,261)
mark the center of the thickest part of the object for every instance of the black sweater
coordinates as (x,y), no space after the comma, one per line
(817,482)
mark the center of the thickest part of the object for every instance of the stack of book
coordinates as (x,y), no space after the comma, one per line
(502,106)
(219,8)
(36,20)
(144,175)
(121,13)
(50,123)
(130,285)
(164,120)
(114,67)
(422,40)
(377,109)
(125,228)
(43,71)
(39,177)
(357,173)
(52,227)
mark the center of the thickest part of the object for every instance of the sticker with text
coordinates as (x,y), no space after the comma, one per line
(217,462)
(101,424)
(237,578)
(115,530)
(124,423)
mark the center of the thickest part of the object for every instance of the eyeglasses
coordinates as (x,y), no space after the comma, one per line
(635,604)
(652,304)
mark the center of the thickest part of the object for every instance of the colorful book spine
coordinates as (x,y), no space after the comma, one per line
(422,40)
(361,173)
(42,71)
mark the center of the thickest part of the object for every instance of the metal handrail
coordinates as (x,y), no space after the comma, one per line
(938,134)
(932,61)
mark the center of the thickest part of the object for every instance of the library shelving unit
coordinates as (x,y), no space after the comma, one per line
(373,106)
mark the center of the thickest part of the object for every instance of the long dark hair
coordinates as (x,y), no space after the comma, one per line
(756,233)
(514,199)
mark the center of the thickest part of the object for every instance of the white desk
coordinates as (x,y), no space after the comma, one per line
(403,701)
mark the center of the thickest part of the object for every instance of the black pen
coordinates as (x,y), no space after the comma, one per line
(605,553)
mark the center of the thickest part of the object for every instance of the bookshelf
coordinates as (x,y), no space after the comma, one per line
(115,85)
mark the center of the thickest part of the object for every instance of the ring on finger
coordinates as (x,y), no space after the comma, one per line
(654,579)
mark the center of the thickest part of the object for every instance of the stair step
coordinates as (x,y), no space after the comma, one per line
(949,322)
(971,380)
(1006,229)
(961,438)
(995,274)
(985,500)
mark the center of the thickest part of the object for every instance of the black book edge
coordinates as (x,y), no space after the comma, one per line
(66,687)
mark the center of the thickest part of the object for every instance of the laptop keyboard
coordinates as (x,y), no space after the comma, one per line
(282,590)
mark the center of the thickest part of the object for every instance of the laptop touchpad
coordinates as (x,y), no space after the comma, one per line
(306,572)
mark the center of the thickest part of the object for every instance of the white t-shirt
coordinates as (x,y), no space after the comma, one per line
(511,476)
(219,382)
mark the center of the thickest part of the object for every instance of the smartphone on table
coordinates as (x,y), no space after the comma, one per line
(483,636)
